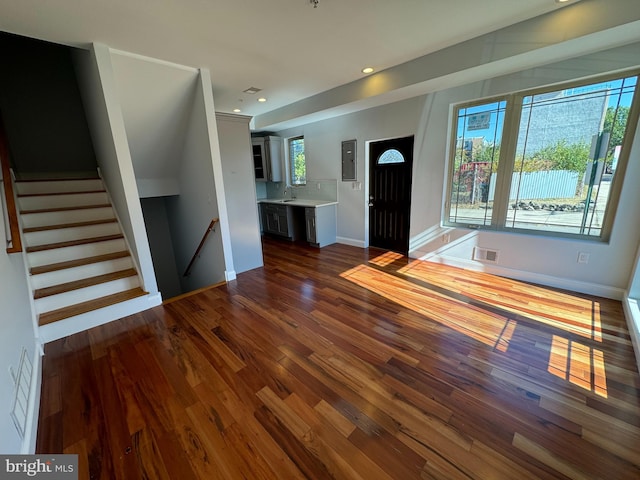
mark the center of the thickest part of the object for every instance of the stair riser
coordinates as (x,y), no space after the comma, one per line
(78,273)
(69,326)
(30,188)
(46,237)
(66,216)
(48,257)
(62,201)
(54,302)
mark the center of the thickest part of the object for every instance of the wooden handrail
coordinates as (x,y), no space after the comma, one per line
(16,242)
(187,272)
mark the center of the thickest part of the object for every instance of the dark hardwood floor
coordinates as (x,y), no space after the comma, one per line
(345,363)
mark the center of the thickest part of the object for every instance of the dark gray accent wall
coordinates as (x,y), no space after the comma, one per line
(159,234)
(42,109)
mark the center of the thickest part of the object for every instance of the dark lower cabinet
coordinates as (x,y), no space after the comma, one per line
(277,220)
(315,224)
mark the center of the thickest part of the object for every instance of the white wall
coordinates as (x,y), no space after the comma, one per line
(545,260)
(104,116)
(239,184)
(156,99)
(17,332)
(190,212)
(323,143)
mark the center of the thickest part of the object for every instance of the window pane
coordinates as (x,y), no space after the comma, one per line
(297,161)
(390,156)
(567,149)
(475,162)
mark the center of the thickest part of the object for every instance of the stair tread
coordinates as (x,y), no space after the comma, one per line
(82,283)
(73,243)
(73,192)
(65,209)
(52,267)
(89,306)
(55,179)
(69,225)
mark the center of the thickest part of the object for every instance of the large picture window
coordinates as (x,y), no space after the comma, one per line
(544,161)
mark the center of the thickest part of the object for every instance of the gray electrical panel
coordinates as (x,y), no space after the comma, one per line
(349,160)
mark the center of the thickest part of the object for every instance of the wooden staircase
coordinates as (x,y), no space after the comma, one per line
(76,254)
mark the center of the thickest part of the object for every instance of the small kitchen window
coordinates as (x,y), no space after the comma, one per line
(297,163)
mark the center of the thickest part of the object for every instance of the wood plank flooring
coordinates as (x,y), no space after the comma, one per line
(350,364)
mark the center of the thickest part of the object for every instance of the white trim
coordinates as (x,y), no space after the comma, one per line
(351,241)
(632,315)
(133,253)
(137,56)
(216,165)
(33,409)
(538,278)
(27,271)
(229,275)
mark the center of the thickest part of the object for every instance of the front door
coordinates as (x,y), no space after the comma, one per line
(390,168)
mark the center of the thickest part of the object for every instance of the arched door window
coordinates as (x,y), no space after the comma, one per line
(390,156)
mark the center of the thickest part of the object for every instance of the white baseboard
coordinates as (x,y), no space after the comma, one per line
(632,315)
(531,277)
(230,275)
(33,407)
(85,321)
(350,241)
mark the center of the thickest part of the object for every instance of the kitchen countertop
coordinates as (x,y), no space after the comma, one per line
(298,202)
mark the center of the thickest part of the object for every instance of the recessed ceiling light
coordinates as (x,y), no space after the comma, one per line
(252,90)
(367,70)
(236,110)
(262,99)
(562,1)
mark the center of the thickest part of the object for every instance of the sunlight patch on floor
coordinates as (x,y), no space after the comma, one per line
(385,259)
(579,364)
(472,321)
(581,316)
(569,360)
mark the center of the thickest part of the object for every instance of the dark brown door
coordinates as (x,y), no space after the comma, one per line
(390,167)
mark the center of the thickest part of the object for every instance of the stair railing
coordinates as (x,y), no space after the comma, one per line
(14,244)
(187,272)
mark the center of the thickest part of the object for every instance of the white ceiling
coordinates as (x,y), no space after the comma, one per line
(288,48)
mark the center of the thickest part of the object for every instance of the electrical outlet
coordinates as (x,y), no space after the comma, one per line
(583,257)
